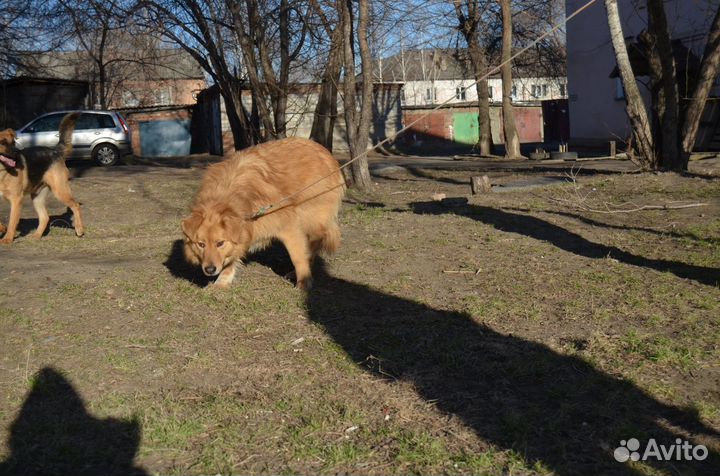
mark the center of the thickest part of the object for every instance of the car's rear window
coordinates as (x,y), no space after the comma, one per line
(95,121)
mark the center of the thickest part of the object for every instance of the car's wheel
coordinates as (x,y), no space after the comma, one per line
(105,154)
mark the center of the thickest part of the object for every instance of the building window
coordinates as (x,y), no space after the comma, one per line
(562,91)
(430,95)
(460,94)
(514,92)
(129,99)
(162,97)
(490,92)
(538,90)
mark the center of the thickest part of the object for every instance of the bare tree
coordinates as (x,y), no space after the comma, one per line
(469,14)
(667,141)
(271,37)
(635,107)
(203,29)
(512,140)
(357,120)
(326,109)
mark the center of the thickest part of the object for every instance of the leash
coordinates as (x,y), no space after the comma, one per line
(265,209)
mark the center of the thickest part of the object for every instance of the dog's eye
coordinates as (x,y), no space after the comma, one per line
(201,244)
(220,243)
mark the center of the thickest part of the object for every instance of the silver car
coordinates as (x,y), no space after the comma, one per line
(101,135)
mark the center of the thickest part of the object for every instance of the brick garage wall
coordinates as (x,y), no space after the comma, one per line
(180,91)
(438,127)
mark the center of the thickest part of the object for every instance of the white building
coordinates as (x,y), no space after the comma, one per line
(436,76)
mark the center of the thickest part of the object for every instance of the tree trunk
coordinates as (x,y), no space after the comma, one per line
(485,142)
(468,24)
(357,122)
(512,140)
(240,126)
(635,107)
(709,69)
(666,103)
(326,109)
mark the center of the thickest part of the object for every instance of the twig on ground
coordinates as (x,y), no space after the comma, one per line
(580,200)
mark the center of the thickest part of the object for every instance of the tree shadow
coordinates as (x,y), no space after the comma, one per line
(556,410)
(598,223)
(566,240)
(54,434)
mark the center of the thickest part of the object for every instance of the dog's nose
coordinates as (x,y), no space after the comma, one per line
(210,270)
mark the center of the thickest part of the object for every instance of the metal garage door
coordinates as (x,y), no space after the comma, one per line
(165,138)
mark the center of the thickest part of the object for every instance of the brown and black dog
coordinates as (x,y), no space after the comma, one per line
(299,177)
(35,171)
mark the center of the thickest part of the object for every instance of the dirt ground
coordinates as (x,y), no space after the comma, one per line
(512,332)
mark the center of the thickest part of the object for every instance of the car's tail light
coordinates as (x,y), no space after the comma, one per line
(122,123)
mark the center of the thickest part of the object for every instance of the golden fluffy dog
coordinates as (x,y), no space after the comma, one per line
(222,227)
(35,171)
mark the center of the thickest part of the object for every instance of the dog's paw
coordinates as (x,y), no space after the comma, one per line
(305,284)
(6,241)
(217,285)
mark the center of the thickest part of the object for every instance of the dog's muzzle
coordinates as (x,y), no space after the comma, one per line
(210,270)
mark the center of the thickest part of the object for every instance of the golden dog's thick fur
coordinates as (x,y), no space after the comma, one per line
(221,228)
(35,171)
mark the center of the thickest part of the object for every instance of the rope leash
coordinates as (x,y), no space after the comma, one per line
(265,209)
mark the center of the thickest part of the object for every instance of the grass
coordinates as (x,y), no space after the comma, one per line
(393,365)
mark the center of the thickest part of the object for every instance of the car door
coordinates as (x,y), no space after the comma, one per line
(91,129)
(41,132)
(87,132)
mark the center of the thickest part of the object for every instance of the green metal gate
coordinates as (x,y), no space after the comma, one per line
(465,127)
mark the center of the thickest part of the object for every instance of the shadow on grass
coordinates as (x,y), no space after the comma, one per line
(29,225)
(274,257)
(555,410)
(566,240)
(602,224)
(54,434)
(180,268)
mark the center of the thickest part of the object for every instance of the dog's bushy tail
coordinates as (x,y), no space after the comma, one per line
(331,240)
(67,127)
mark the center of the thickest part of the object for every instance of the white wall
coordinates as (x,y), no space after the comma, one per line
(596,113)
(416,92)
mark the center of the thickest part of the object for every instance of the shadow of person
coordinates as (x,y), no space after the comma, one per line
(566,240)
(553,409)
(55,435)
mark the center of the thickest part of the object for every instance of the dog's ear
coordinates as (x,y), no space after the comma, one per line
(232,223)
(191,224)
(8,136)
